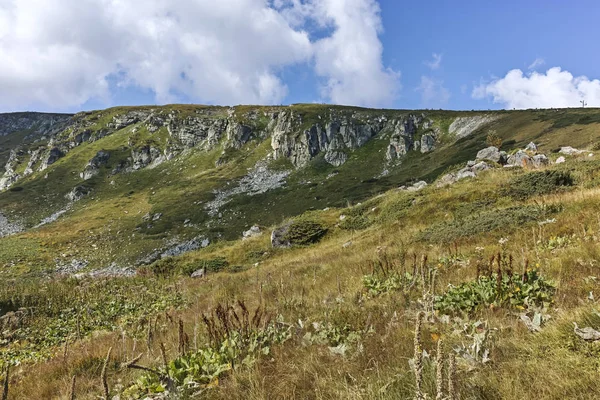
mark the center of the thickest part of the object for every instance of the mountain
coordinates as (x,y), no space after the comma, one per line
(335,221)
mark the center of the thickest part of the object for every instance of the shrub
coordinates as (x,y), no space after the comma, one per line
(305,232)
(493,139)
(538,183)
(355,223)
(506,219)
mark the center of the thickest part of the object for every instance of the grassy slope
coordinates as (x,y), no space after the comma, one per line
(323,283)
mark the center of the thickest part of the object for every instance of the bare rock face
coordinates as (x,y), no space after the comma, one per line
(93,167)
(50,157)
(465,126)
(10,176)
(78,193)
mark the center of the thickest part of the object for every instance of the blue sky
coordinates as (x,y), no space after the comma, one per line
(69,55)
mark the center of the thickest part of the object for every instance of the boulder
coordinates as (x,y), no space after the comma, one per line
(480,166)
(465,173)
(540,160)
(415,187)
(570,151)
(490,154)
(560,160)
(520,159)
(427,143)
(252,232)
(78,193)
(446,180)
(531,147)
(201,273)
(278,237)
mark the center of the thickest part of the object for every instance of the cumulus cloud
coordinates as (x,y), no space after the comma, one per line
(435,63)
(350,60)
(538,62)
(554,89)
(433,92)
(62,53)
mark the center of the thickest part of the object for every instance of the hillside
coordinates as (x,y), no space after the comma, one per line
(340,226)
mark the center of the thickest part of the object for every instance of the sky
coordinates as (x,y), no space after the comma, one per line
(72,55)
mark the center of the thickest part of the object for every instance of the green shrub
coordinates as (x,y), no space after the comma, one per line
(164,267)
(355,223)
(538,183)
(506,219)
(513,291)
(305,232)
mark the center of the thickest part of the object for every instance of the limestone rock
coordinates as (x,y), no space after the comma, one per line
(570,151)
(254,231)
(520,159)
(78,193)
(560,160)
(490,154)
(50,157)
(464,126)
(93,166)
(278,240)
(200,273)
(531,147)
(540,160)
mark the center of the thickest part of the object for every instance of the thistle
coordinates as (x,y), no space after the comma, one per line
(418,358)
(451,375)
(440,371)
(72,388)
(103,375)
(6,381)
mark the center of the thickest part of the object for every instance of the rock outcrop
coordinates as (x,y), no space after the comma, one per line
(93,166)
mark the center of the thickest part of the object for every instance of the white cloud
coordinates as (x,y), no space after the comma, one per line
(538,62)
(350,60)
(61,53)
(435,63)
(433,93)
(555,88)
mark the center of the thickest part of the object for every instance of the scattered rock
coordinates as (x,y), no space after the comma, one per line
(587,333)
(347,244)
(93,166)
(520,159)
(570,151)
(8,228)
(531,147)
(278,237)
(200,273)
(490,154)
(191,245)
(254,231)
(72,267)
(78,193)
(259,180)
(540,160)
(415,187)
(156,216)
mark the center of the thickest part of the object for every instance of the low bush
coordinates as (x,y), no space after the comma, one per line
(506,220)
(538,183)
(305,232)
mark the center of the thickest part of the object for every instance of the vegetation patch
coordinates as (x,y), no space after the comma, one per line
(505,220)
(538,183)
(498,290)
(305,232)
